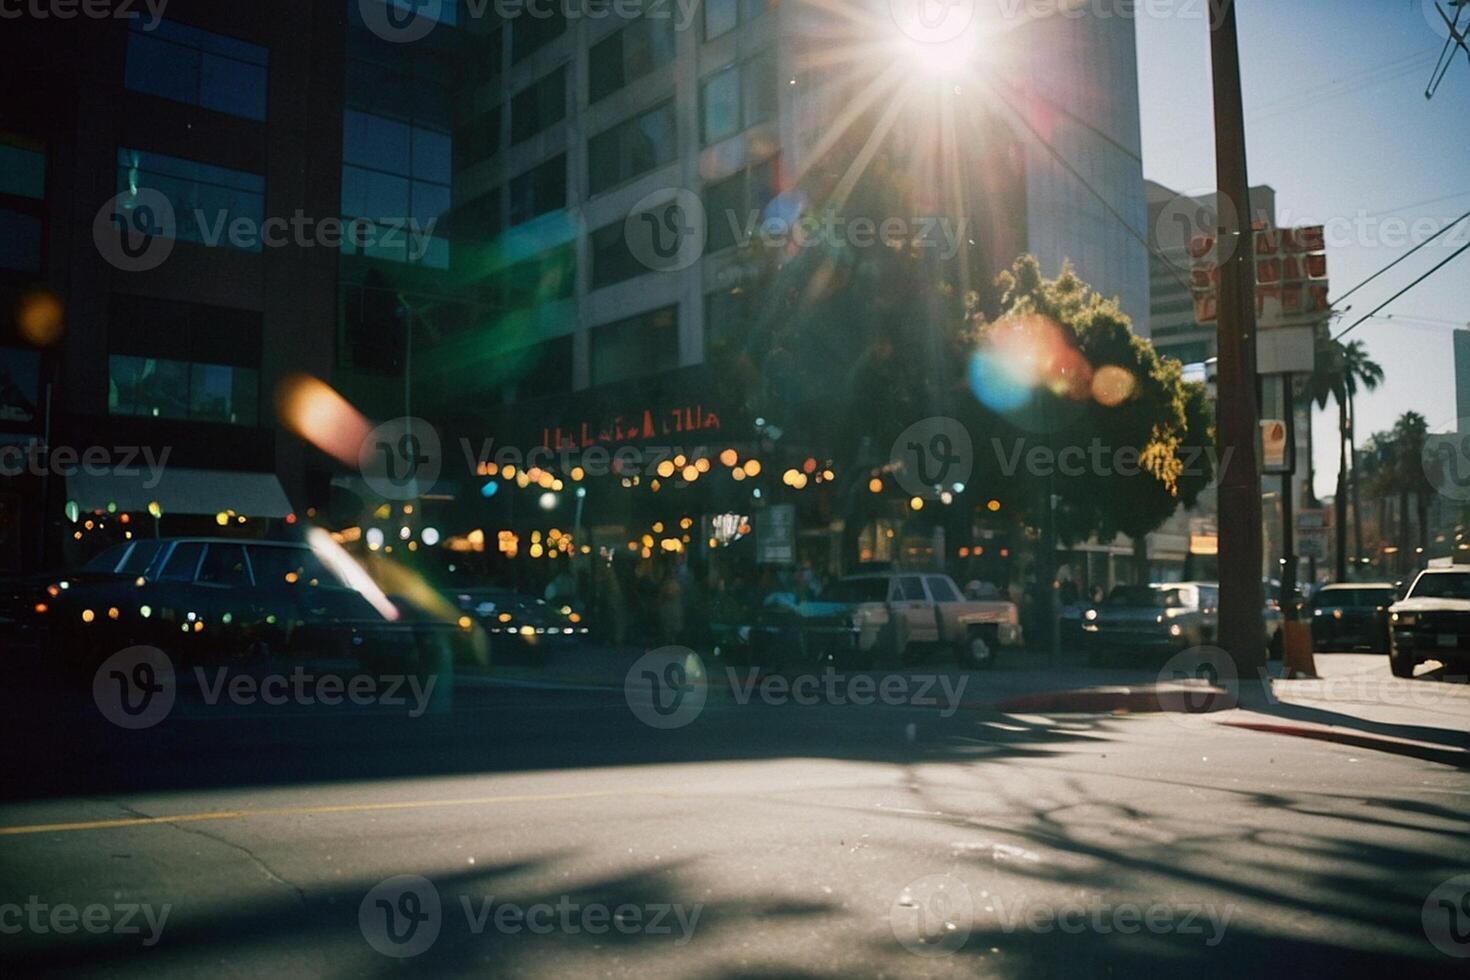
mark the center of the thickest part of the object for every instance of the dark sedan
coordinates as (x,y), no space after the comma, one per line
(1352,616)
(204,600)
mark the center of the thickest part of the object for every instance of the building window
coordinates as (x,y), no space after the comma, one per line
(632,147)
(629,54)
(734,206)
(22,197)
(639,346)
(737,98)
(482,59)
(540,190)
(20,242)
(542,369)
(186,361)
(538,106)
(186,64)
(206,199)
(612,260)
(397,175)
(479,222)
(477,140)
(721,16)
(543,278)
(529,34)
(22,172)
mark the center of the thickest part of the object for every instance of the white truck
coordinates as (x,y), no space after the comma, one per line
(888,616)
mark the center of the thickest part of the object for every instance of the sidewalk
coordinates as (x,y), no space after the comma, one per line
(1356,701)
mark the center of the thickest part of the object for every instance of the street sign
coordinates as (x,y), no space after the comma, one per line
(1291,276)
(1313,536)
(1275,457)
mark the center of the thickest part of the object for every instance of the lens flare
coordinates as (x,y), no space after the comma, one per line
(312,409)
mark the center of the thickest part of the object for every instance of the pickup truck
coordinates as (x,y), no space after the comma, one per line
(893,616)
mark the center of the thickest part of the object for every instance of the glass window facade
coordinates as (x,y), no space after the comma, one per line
(170,360)
(632,147)
(721,16)
(529,34)
(20,241)
(629,54)
(206,199)
(538,106)
(636,347)
(543,278)
(735,204)
(22,172)
(397,174)
(737,98)
(540,190)
(197,67)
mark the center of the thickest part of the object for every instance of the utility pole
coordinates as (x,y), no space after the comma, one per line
(1242,598)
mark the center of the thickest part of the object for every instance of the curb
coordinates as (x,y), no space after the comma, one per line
(1180,698)
(1427,751)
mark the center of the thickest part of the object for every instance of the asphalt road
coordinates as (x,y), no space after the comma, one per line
(549,831)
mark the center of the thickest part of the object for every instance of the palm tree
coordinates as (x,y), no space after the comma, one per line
(1339,371)
(1409,435)
(1358,369)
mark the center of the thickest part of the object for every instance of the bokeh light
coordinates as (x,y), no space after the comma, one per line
(41,318)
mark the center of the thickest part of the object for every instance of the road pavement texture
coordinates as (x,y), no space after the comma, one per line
(555,826)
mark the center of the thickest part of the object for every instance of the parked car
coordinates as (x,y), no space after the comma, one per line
(1432,621)
(205,600)
(862,618)
(1166,617)
(1352,616)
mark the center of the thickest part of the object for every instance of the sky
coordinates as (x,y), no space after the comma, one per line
(1337,123)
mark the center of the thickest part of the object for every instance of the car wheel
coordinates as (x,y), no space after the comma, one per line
(975,652)
(1401,665)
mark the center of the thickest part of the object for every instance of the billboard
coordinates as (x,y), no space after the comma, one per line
(1291,276)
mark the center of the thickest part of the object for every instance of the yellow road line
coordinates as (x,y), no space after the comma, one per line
(294,811)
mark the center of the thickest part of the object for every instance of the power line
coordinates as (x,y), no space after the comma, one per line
(1404,256)
(1454,255)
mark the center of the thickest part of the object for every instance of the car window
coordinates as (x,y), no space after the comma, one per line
(182,563)
(1353,597)
(911,589)
(107,561)
(290,566)
(941,590)
(141,557)
(1441,585)
(224,564)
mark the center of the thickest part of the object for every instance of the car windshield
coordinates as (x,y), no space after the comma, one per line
(1353,597)
(1144,597)
(1442,585)
(107,561)
(857,590)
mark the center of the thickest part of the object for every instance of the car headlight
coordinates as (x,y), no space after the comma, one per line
(1176,630)
(1404,619)
(1090,615)
(1316,612)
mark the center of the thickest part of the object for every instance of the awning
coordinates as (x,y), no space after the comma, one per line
(181,491)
